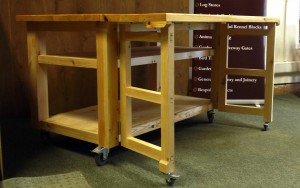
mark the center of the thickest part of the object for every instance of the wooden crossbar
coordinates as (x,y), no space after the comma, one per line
(245,72)
(144,148)
(244,109)
(143,94)
(68,61)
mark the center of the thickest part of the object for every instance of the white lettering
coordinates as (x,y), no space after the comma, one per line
(229,90)
(205,68)
(202,68)
(205,37)
(249,80)
(206,47)
(214,5)
(229,80)
(200,79)
(240,26)
(203,5)
(206,5)
(255,27)
(205,58)
(234,48)
(204,90)
(247,48)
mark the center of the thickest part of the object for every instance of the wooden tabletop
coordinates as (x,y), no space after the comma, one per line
(151,17)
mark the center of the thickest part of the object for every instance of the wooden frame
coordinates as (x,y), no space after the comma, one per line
(224,71)
(107,75)
(165,153)
(103,119)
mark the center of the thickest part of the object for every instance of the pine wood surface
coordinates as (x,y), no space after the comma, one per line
(83,123)
(150,17)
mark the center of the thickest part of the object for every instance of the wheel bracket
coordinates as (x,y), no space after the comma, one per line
(101,150)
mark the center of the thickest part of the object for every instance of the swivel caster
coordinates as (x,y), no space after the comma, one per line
(100,160)
(266,126)
(101,156)
(211,116)
(170,180)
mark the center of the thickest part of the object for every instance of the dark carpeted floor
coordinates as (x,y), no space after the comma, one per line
(231,152)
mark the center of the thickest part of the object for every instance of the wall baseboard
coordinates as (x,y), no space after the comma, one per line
(287,89)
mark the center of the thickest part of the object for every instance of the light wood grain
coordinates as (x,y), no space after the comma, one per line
(38,75)
(68,61)
(244,109)
(146,116)
(83,123)
(143,94)
(80,124)
(144,148)
(151,17)
(167,161)
(107,84)
(125,81)
(269,81)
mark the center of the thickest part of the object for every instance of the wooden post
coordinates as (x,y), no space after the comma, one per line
(107,84)
(215,63)
(38,76)
(222,65)
(167,162)
(269,79)
(125,81)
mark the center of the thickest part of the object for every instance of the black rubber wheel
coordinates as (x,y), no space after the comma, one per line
(266,127)
(210,116)
(99,159)
(170,181)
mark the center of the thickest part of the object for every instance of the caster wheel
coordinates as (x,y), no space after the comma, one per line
(100,160)
(170,181)
(266,126)
(171,178)
(210,116)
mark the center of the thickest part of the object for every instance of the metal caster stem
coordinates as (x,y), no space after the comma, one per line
(171,178)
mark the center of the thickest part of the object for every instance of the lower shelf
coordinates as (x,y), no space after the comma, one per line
(83,123)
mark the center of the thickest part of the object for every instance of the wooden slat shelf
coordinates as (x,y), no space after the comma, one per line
(146,116)
(83,123)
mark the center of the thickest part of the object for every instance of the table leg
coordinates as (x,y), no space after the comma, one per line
(38,76)
(107,83)
(167,162)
